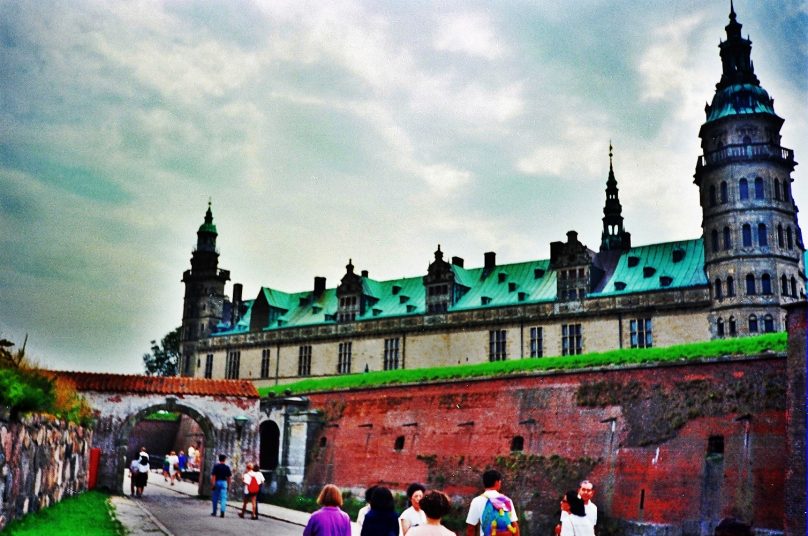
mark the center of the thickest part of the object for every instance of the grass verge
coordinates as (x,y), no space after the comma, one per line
(772,342)
(88,514)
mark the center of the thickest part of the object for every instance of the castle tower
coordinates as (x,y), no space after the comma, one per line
(753,247)
(614,237)
(204,294)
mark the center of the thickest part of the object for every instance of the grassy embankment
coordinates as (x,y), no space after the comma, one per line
(773,342)
(88,514)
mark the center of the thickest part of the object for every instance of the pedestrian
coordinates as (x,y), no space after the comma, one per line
(183,462)
(435,504)
(220,478)
(252,485)
(492,511)
(360,515)
(413,515)
(329,520)
(133,471)
(142,477)
(173,466)
(381,519)
(586,490)
(573,516)
(166,467)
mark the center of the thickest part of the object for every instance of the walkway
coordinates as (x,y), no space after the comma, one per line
(166,510)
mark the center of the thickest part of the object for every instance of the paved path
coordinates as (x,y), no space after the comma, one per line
(166,510)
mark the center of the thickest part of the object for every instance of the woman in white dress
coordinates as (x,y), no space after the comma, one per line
(573,516)
(412,516)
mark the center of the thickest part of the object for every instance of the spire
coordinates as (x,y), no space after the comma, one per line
(207,233)
(736,53)
(613,236)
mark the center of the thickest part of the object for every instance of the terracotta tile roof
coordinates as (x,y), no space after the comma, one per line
(174,385)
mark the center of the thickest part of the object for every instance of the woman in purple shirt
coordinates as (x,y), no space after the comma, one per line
(329,520)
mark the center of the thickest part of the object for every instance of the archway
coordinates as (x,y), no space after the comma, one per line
(206,441)
(270,436)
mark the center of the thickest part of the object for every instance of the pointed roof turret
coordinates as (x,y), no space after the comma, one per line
(206,235)
(736,56)
(613,236)
(208,226)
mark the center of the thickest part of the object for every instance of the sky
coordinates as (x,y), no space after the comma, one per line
(328,131)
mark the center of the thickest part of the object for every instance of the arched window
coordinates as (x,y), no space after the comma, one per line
(750,284)
(718,293)
(780,241)
(789,238)
(712,195)
(270,435)
(743,189)
(793,286)
(517,444)
(758,188)
(730,287)
(783,285)
(724,193)
(777,189)
(719,327)
(786,190)
(732,329)
(714,240)
(763,236)
(765,284)
(727,239)
(746,234)
(768,324)
(753,327)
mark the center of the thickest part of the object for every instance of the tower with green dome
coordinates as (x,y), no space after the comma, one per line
(753,248)
(204,293)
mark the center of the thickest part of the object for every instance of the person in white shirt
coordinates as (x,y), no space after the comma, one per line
(573,516)
(253,480)
(412,516)
(492,481)
(435,505)
(173,466)
(586,491)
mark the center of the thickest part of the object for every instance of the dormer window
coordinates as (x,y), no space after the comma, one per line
(348,308)
(439,285)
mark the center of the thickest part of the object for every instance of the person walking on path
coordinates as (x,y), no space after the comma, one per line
(382,519)
(173,466)
(492,511)
(220,478)
(413,516)
(142,476)
(435,504)
(329,520)
(133,471)
(252,485)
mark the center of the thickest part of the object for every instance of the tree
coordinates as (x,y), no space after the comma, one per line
(163,359)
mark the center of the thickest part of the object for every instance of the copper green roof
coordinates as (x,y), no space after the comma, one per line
(740,99)
(671,265)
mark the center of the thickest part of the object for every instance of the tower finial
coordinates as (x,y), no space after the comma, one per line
(610,154)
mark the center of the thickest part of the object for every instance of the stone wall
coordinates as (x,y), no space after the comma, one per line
(42,460)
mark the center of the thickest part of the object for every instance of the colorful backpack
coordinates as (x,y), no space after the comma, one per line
(253,486)
(496,518)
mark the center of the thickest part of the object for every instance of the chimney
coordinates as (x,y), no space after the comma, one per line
(572,236)
(490,261)
(364,273)
(458,261)
(238,289)
(319,285)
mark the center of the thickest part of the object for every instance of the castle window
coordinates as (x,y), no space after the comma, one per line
(715,445)
(780,241)
(344,358)
(233,365)
(768,324)
(648,271)
(391,353)
(714,240)
(789,238)
(759,188)
(724,192)
(777,189)
(753,324)
(399,443)
(733,330)
(763,235)
(793,286)
(717,292)
(538,273)
(743,189)
(209,366)
(265,363)
(765,284)
(727,239)
(304,360)
(750,285)
(497,345)
(783,285)
(517,444)
(746,233)
(323,442)
(536,342)
(786,190)
(719,327)
(712,195)
(641,333)
(571,339)
(730,287)
(633,261)
(348,308)
(678,255)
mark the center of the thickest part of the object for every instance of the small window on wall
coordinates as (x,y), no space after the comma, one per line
(768,324)
(399,444)
(743,189)
(641,333)
(323,442)
(753,324)
(715,446)
(719,327)
(733,330)
(517,444)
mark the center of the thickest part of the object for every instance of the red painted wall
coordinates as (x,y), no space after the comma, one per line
(648,470)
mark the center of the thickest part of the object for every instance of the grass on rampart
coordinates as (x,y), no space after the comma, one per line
(772,342)
(88,514)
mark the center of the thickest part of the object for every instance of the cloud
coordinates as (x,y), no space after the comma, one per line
(468,33)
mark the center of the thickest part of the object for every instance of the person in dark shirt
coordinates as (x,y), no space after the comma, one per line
(382,519)
(220,478)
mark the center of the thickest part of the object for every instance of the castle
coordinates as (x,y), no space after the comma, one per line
(734,280)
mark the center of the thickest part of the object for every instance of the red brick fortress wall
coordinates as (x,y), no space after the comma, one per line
(672,447)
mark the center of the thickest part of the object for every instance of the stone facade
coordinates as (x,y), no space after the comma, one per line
(42,461)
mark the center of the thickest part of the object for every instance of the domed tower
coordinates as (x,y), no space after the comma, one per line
(204,293)
(753,248)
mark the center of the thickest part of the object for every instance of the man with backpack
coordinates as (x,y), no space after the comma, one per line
(252,485)
(492,511)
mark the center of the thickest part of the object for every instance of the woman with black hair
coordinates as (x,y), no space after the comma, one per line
(573,516)
(382,519)
(413,516)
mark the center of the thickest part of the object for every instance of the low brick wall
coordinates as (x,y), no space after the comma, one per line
(42,460)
